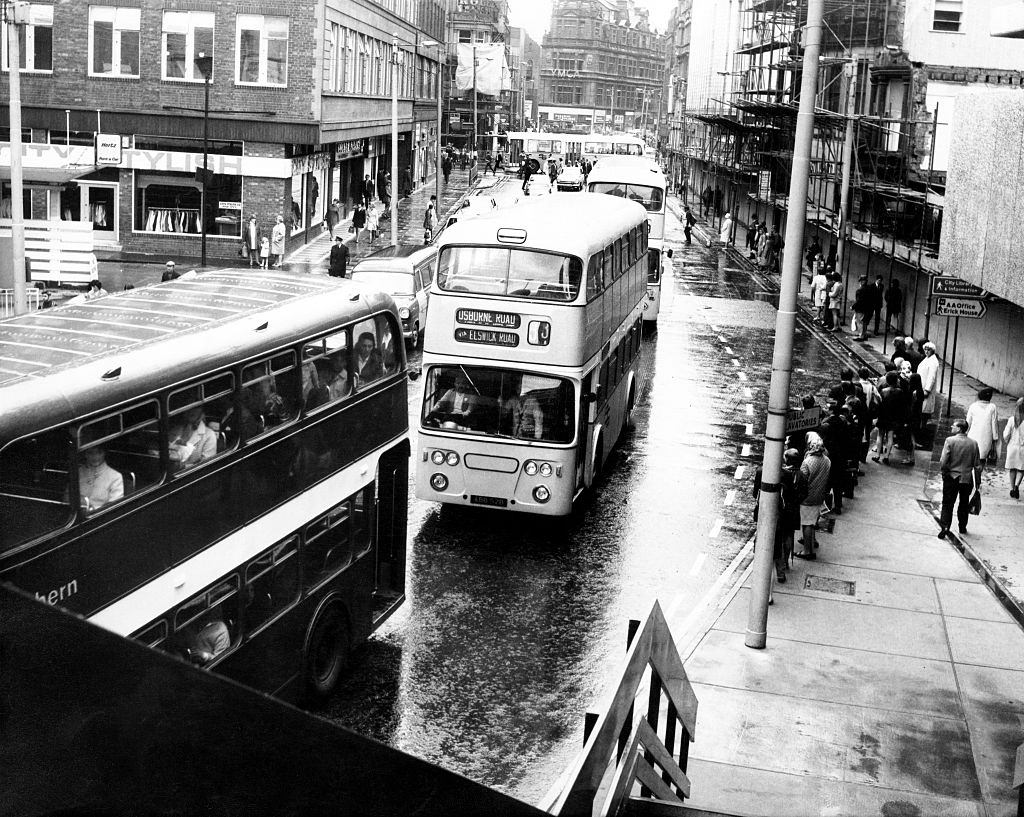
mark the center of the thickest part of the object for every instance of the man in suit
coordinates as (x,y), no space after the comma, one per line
(960,465)
(339,258)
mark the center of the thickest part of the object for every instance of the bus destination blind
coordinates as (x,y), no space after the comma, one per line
(494,322)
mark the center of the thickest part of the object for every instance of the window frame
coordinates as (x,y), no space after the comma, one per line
(190,46)
(116,41)
(263,61)
(28,45)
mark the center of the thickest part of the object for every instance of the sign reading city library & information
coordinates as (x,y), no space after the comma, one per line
(948,285)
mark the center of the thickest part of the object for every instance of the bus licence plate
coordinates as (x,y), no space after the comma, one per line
(493,501)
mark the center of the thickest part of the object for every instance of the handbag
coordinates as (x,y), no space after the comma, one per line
(974,506)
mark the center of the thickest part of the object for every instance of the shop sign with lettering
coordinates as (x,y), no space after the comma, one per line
(108,149)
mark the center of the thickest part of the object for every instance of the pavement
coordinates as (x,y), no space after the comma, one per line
(116,269)
(893,678)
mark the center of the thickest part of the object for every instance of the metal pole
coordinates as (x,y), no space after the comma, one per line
(202,196)
(19,284)
(952,366)
(437,152)
(472,153)
(394,142)
(844,191)
(945,346)
(785,323)
(924,210)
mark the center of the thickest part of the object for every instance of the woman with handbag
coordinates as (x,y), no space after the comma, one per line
(1013,436)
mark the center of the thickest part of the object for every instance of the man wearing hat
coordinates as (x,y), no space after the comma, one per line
(169,272)
(863,304)
(339,258)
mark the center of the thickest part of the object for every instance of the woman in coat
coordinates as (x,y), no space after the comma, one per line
(1013,436)
(983,425)
(277,242)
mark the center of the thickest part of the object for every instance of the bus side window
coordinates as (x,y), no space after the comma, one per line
(387,335)
(328,545)
(198,417)
(595,274)
(118,455)
(270,390)
(271,583)
(363,508)
(206,626)
(35,484)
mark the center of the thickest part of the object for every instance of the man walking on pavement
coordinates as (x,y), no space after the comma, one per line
(960,465)
(863,304)
(430,220)
(368,190)
(878,300)
(339,258)
(690,221)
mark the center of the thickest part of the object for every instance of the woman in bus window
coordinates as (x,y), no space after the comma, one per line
(314,393)
(98,483)
(192,441)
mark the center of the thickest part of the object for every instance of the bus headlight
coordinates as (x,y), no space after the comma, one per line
(530,468)
(541,493)
(452,458)
(437,457)
(439,482)
(403,313)
(545,469)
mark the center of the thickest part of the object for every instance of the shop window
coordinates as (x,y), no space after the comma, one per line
(34,39)
(113,41)
(187,35)
(169,203)
(262,49)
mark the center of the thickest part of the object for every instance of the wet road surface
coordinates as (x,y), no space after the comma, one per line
(515,627)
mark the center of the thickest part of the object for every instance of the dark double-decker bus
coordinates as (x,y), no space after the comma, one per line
(217,467)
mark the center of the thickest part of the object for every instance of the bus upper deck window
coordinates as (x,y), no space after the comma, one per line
(118,455)
(270,390)
(35,479)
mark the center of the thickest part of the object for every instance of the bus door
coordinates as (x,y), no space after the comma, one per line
(392,496)
(588,407)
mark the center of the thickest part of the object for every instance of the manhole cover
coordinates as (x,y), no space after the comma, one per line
(826,584)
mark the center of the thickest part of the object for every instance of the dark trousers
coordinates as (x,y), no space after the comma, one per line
(952,488)
(686,232)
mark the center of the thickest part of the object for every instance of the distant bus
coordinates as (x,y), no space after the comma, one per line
(211,467)
(640,180)
(531,353)
(569,147)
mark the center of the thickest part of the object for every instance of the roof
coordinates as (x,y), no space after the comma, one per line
(578,230)
(639,170)
(399,251)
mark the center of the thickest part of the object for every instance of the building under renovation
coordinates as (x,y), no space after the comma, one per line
(890,72)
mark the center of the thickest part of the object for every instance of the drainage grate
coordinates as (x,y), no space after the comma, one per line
(826,584)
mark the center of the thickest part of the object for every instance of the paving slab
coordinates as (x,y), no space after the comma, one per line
(985,643)
(971,600)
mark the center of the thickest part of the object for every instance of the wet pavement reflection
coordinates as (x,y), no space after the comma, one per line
(514,627)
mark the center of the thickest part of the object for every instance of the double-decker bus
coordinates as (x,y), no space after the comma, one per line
(570,147)
(641,180)
(531,353)
(216,467)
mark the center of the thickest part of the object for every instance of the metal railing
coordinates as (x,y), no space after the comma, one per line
(32,296)
(626,760)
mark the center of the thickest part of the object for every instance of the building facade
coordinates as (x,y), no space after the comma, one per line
(677,66)
(894,70)
(525,66)
(475,22)
(602,69)
(299,112)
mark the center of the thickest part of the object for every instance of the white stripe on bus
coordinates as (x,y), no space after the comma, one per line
(155,598)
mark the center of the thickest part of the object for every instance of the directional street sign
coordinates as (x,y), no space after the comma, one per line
(954,307)
(948,285)
(803,419)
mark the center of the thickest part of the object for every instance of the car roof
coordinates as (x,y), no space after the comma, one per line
(401,251)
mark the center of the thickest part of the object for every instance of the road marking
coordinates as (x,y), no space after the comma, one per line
(729,351)
(716,529)
(747,392)
(750,409)
(745,451)
(743,376)
(721,339)
(735,363)
(698,563)
(713,327)
(740,471)
(749,430)
(730,496)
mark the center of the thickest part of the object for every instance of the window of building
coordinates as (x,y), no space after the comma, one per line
(948,15)
(35,40)
(113,41)
(262,48)
(169,203)
(187,35)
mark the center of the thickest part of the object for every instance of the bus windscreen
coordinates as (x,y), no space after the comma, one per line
(503,271)
(499,403)
(652,198)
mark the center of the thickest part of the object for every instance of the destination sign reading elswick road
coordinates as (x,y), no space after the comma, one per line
(489,337)
(483,317)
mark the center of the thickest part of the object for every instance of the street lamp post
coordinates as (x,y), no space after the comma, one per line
(19,284)
(205,64)
(394,142)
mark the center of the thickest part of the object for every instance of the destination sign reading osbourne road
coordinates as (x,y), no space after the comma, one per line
(484,317)
(489,337)
(960,307)
(948,285)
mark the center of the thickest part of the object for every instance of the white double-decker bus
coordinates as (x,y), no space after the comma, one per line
(570,147)
(531,353)
(640,180)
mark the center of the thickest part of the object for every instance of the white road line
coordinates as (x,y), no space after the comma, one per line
(747,392)
(713,327)
(750,409)
(716,529)
(743,376)
(740,471)
(745,451)
(698,563)
(735,362)
(749,430)
(721,339)
(730,496)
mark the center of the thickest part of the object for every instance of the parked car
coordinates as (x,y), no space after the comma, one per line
(404,272)
(571,178)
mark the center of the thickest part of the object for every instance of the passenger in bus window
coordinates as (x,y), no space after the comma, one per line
(369,366)
(211,640)
(337,381)
(266,402)
(98,483)
(192,440)
(527,418)
(314,393)
(388,352)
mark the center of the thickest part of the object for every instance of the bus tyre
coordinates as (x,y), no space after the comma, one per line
(630,404)
(414,342)
(327,651)
(595,471)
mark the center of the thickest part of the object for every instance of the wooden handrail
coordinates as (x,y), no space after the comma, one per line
(654,649)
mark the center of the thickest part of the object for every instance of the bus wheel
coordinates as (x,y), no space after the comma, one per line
(327,651)
(630,404)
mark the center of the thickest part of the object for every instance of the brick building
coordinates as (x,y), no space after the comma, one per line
(602,67)
(299,113)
